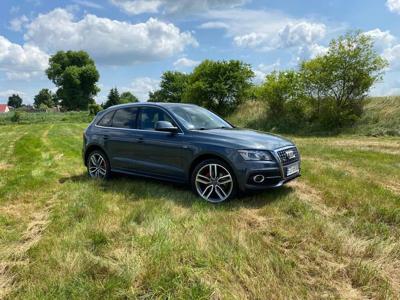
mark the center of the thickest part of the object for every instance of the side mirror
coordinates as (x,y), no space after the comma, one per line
(165,126)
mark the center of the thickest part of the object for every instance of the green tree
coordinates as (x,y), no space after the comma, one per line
(113,98)
(219,85)
(284,95)
(338,82)
(128,97)
(75,75)
(15,101)
(172,87)
(46,97)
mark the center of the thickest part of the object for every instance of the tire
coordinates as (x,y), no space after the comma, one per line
(214,181)
(98,165)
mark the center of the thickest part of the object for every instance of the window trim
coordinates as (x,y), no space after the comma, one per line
(180,132)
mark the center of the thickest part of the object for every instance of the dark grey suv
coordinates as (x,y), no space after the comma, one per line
(188,144)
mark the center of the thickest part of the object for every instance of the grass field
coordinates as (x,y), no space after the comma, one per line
(334,233)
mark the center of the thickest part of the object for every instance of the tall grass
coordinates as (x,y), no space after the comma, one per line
(381,117)
(334,233)
(46,117)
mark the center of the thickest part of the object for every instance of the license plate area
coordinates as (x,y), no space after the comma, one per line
(292,169)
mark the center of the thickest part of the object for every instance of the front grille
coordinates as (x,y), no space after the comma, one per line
(288,156)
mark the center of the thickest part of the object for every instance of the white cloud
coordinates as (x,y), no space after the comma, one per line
(393,57)
(393,5)
(263,69)
(382,39)
(89,4)
(110,42)
(214,25)
(184,62)
(141,87)
(300,33)
(8,93)
(21,62)
(249,29)
(135,7)
(317,50)
(138,7)
(17,24)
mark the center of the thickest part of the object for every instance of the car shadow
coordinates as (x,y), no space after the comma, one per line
(134,188)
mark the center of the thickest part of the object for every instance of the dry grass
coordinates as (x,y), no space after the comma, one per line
(332,234)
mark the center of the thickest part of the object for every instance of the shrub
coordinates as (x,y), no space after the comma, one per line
(16,117)
(94,109)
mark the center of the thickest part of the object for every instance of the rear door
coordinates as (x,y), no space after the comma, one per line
(122,139)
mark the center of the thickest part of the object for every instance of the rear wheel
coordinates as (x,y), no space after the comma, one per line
(98,165)
(214,181)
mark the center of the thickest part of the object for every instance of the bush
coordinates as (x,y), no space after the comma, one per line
(327,93)
(94,109)
(16,117)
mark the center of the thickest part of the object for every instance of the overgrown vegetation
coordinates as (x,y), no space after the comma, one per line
(327,93)
(334,233)
(381,117)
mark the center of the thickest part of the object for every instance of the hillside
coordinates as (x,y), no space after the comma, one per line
(381,117)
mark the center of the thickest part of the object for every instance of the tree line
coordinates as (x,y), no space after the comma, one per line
(325,92)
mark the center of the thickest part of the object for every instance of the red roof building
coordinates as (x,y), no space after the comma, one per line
(4,108)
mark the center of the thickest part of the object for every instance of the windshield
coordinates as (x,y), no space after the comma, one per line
(197,118)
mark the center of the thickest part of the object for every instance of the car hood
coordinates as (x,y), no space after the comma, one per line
(247,139)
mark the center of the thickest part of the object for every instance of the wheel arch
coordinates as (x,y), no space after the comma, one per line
(205,156)
(92,148)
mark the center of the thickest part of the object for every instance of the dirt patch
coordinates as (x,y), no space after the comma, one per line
(5,166)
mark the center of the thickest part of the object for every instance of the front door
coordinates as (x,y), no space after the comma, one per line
(160,153)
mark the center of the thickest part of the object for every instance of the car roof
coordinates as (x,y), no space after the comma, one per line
(159,104)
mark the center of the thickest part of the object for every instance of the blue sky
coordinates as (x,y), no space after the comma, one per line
(134,41)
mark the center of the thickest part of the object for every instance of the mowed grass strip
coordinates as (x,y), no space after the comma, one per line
(332,234)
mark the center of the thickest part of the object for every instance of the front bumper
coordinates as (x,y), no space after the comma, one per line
(274,172)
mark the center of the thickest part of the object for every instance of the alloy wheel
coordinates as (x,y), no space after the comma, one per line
(97,166)
(214,183)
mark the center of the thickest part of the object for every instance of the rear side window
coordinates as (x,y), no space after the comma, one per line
(106,119)
(149,117)
(125,118)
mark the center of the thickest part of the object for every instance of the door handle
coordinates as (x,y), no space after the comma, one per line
(105,137)
(140,140)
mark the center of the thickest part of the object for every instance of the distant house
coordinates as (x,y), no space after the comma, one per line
(4,108)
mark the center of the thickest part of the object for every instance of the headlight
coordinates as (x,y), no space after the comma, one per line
(255,155)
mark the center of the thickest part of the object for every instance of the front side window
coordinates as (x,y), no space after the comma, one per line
(149,116)
(125,118)
(197,118)
(106,119)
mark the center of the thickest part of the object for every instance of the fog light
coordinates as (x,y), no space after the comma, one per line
(258,178)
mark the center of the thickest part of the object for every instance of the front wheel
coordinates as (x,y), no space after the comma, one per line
(98,165)
(213,181)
